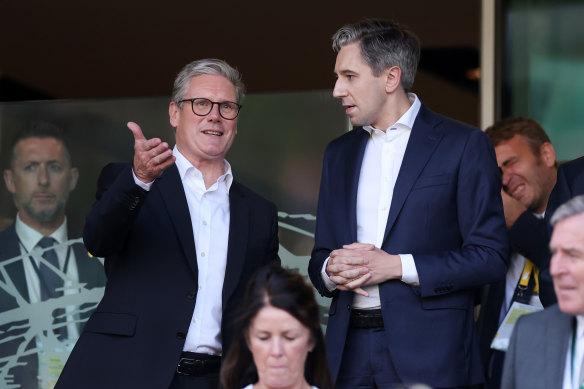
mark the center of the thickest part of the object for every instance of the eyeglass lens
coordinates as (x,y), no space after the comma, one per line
(227,109)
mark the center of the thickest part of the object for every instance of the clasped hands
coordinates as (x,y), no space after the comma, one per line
(359,264)
(151,156)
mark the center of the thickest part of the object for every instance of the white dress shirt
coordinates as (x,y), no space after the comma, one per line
(382,161)
(210,217)
(516,265)
(28,241)
(571,378)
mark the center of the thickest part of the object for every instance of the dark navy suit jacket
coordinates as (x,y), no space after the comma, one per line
(446,211)
(488,325)
(531,236)
(136,335)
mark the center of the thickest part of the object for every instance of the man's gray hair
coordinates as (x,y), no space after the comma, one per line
(573,207)
(206,66)
(383,44)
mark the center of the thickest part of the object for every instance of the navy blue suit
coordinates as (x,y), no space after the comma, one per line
(570,184)
(530,236)
(446,211)
(136,335)
(489,324)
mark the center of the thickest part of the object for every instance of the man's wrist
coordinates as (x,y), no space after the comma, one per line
(330,285)
(144,185)
(409,271)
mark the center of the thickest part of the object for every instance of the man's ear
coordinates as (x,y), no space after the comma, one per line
(9,181)
(173,114)
(74,178)
(393,79)
(547,154)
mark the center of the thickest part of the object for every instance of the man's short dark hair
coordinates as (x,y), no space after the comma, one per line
(383,44)
(531,131)
(40,129)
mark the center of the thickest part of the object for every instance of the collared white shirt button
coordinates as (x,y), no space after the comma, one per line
(203,254)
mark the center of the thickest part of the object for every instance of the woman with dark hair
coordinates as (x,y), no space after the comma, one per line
(279,342)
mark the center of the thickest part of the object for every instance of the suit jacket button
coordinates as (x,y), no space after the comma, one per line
(348,307)
(181,335)
(134,203)
(192,295)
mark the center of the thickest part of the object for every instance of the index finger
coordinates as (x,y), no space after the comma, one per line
(357,283)
(341,258)
(136,130)
(359,246)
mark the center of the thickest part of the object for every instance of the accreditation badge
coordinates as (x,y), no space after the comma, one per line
(501,340)
(52,357)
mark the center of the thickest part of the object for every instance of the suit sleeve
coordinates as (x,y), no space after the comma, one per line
(274,244)
(324,239)
(481,255)
(118,203)
(530,237)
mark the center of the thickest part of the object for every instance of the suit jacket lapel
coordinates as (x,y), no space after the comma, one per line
(424,138)
(170,187)
(558,333)
(82,260)
(238,237)
(8,250)
(91,272)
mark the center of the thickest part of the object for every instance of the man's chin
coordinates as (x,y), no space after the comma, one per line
(356,122)
(570,307)
(42,215)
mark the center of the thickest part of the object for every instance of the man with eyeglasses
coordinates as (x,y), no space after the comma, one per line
(180,239)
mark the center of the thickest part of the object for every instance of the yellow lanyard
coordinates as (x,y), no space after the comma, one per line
(527,270)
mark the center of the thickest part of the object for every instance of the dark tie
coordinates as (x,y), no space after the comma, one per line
(50,281)
(52,284)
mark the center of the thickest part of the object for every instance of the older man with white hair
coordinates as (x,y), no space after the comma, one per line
(547,348)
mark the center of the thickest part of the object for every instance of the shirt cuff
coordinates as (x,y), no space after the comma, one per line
(330,285)
(409,271)
(143,185)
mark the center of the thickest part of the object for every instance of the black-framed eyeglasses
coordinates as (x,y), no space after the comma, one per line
(202,107)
